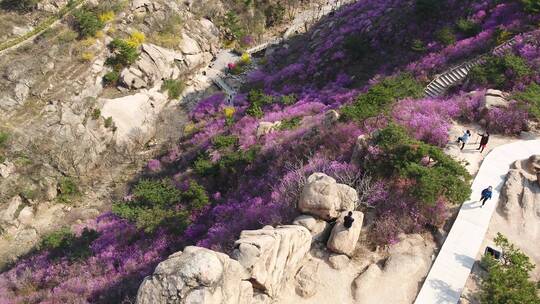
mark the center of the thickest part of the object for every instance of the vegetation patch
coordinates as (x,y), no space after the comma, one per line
(531,96)
(500,72)
(64,243)
(159,203)
(68,190)
(381,96)
(404,156)
(174,87)
(508,279)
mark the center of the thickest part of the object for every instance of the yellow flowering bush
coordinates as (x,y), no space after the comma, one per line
(245,59)
(136,39)
(107,16)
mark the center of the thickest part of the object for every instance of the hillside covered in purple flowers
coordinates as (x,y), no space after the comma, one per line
(369,62)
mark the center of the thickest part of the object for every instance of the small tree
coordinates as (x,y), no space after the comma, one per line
(87,23)
(508,281)
(124,54)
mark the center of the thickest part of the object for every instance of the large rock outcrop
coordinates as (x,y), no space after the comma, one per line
(408,264)
(319,229)
(272,255)
(198,45)
(197,275)
(520,197)
(343,240)
(325,198)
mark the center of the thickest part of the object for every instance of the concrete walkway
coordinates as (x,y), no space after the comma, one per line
(449,273)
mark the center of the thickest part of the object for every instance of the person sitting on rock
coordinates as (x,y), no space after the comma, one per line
(348,220)
(486,194)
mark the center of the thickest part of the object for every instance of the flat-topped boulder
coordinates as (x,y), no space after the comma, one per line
(197,275)
(272,255)
(343,240)
(325,198)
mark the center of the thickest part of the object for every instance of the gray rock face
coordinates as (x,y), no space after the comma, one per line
(408,264)
(319,229)
(307,281)
(495,99)
(330,118)
(266,127)
(272,255)
(325,198)
(155,64)
(6,169)
(197,275)
(338,261)
(343,240)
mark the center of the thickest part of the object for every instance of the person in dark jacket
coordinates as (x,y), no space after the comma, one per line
(348,220)
(484,139)
(486,194)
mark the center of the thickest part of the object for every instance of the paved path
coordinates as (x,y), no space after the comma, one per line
(448,275)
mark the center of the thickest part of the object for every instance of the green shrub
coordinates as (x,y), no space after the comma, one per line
(531,96)
(156,203)
(87,22)
(289,99)
(418,45)
(508,280)
(229,163)
(204,166)
(496,70)
(233,25)
(531,6)
(4,136)
(403,155)
(125,54)
(381,96)
(274,14)
(257,100)
(468,27)
(291,123)
(68,189)
(64,243)
(446,36)
(111,78)
(255,110)
(173,87)
(109,123)
(224,141)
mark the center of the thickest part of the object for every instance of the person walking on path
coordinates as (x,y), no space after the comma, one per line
(484,139)
(486,194)
(464,138)
(348,220)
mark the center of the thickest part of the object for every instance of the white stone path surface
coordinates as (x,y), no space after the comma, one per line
(448,275)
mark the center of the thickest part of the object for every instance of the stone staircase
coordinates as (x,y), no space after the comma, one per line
(457,74)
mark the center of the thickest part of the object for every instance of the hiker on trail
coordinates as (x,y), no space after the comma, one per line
(348,220)
(483,141)
(464,138)
(486,194)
